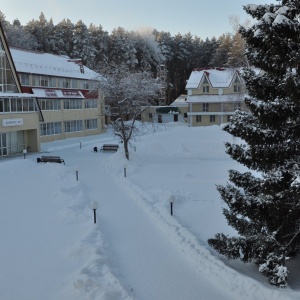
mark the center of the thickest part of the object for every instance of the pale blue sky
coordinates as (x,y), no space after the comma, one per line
(204,18)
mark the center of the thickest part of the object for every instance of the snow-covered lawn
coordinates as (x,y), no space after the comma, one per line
(51,248)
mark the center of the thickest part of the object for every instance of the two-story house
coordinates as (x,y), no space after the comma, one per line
(213,95)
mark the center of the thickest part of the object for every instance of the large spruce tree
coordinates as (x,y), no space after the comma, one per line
(263,204)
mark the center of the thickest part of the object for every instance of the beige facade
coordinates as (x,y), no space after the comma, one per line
(89,121)
(213,95)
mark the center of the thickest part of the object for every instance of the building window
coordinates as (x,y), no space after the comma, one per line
(90,103)
(212,118)
(205,89)
(50,128)
(90,124)
(50,104)
(66,83)
(185,115)
(24,79)
(73,104)
(52,82)
(150,116)
(198,119)
(75,83)
(205,106)
(44,81)
(17,105)
(73,126)
(236,88)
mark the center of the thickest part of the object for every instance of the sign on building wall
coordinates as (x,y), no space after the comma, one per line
(12,122)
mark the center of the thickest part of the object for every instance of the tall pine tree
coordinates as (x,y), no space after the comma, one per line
(264,203)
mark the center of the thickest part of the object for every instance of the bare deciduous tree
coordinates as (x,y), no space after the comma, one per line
(127,93)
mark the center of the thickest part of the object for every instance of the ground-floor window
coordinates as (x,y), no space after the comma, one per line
(198,119)
(212,119)
(12,143)
(50,128)
(73,126)
(90,124)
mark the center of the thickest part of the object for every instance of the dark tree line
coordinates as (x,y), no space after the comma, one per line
(171,57)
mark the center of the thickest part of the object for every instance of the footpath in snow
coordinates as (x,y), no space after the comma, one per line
(136,250)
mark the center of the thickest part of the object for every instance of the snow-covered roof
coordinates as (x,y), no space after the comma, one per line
(180,101)
(27,61)
(218,78)
(23,95)
(214,98)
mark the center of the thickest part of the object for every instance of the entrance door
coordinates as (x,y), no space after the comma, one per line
(175,118)
(3,144)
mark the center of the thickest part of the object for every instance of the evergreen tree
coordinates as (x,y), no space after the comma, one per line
(264,203)
(83,47)
(17,36)
(43,32)
(100,40)
(63,38)
(121,48)
(221,54)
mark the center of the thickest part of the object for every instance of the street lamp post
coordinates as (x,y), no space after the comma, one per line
(171,200)
(125,167)
(94,206)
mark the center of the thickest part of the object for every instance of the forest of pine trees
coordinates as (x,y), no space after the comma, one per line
(179,54)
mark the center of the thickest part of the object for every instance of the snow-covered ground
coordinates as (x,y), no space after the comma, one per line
(51,248)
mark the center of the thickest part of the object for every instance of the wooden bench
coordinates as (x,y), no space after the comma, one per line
(51,159)
(109,147)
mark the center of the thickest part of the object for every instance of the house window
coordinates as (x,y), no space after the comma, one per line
(150,115)
(159,118)
(185,115)
(212,118)
(205,106)
(236,88)
(198,119)
(205,89)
